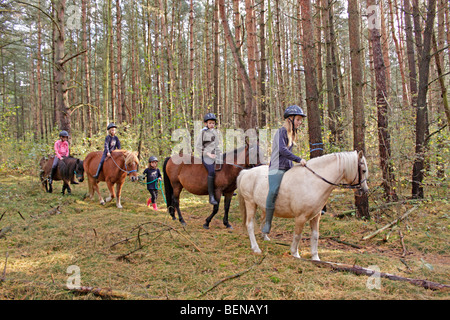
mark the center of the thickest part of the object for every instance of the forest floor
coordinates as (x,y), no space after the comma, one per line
(137,253)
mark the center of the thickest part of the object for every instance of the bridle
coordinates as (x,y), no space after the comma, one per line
(125,163)
(345,185)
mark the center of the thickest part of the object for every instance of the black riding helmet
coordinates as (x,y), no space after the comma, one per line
(63,133)
(111,125)
(210,116)
(294,110)
(152,158)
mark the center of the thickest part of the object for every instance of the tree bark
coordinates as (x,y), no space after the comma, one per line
(361,200)
(62,103)
(312,96)
(250,105)
(384,143)
(421,111)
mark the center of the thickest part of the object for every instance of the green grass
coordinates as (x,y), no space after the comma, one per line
(170,266)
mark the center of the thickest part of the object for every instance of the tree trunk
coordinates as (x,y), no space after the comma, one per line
(216,60)
(39,109)
(262,68)
(62,103)
(421,115)
(250,105)
(361,200)
(384,143)
(240,99)
(312,96)
(121,114)
(277,56)
(87,79)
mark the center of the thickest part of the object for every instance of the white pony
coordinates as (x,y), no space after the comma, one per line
(303,193)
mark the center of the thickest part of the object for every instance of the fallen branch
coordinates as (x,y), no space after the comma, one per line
(170,228)
(369,272)
(373,234)
(102,292)
(231,277)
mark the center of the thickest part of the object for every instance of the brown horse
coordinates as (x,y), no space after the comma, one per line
(114,172)
(67,170)
(191,175)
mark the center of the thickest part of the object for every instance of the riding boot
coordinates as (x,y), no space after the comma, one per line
(52,174)
(268,224)
(99,169)
(149,201)
(212,200)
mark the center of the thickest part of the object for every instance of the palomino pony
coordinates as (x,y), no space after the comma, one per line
(114,172)
(303,193)
(67,170)
(185,173)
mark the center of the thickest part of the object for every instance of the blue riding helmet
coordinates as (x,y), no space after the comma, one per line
(209,116)
(152,158)
(63,133)
(294,110)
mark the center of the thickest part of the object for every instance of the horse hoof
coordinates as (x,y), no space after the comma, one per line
(206,226)
(183,223)
(102,203)
(229,226)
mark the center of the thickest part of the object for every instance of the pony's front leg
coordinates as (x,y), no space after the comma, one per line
(314,223)
(250,222)
(299,223)
(118,193)
(214,212)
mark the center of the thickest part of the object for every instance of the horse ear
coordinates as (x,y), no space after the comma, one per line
(360,154)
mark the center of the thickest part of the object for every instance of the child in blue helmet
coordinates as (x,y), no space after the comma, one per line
(153,177)
(282,157)
(112,143)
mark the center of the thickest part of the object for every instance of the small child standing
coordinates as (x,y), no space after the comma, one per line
(153,177)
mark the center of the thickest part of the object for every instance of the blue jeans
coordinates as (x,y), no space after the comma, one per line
(275,177)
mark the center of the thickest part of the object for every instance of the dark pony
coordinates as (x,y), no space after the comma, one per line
(184,172)
(67,170)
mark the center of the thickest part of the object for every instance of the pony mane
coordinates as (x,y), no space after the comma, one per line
(130,157)
(347,161)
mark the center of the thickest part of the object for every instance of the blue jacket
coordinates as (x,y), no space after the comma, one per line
(111,144)
(282,156)
(152,174)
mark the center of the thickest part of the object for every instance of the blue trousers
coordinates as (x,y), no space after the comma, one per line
(275,177)
(210,165)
